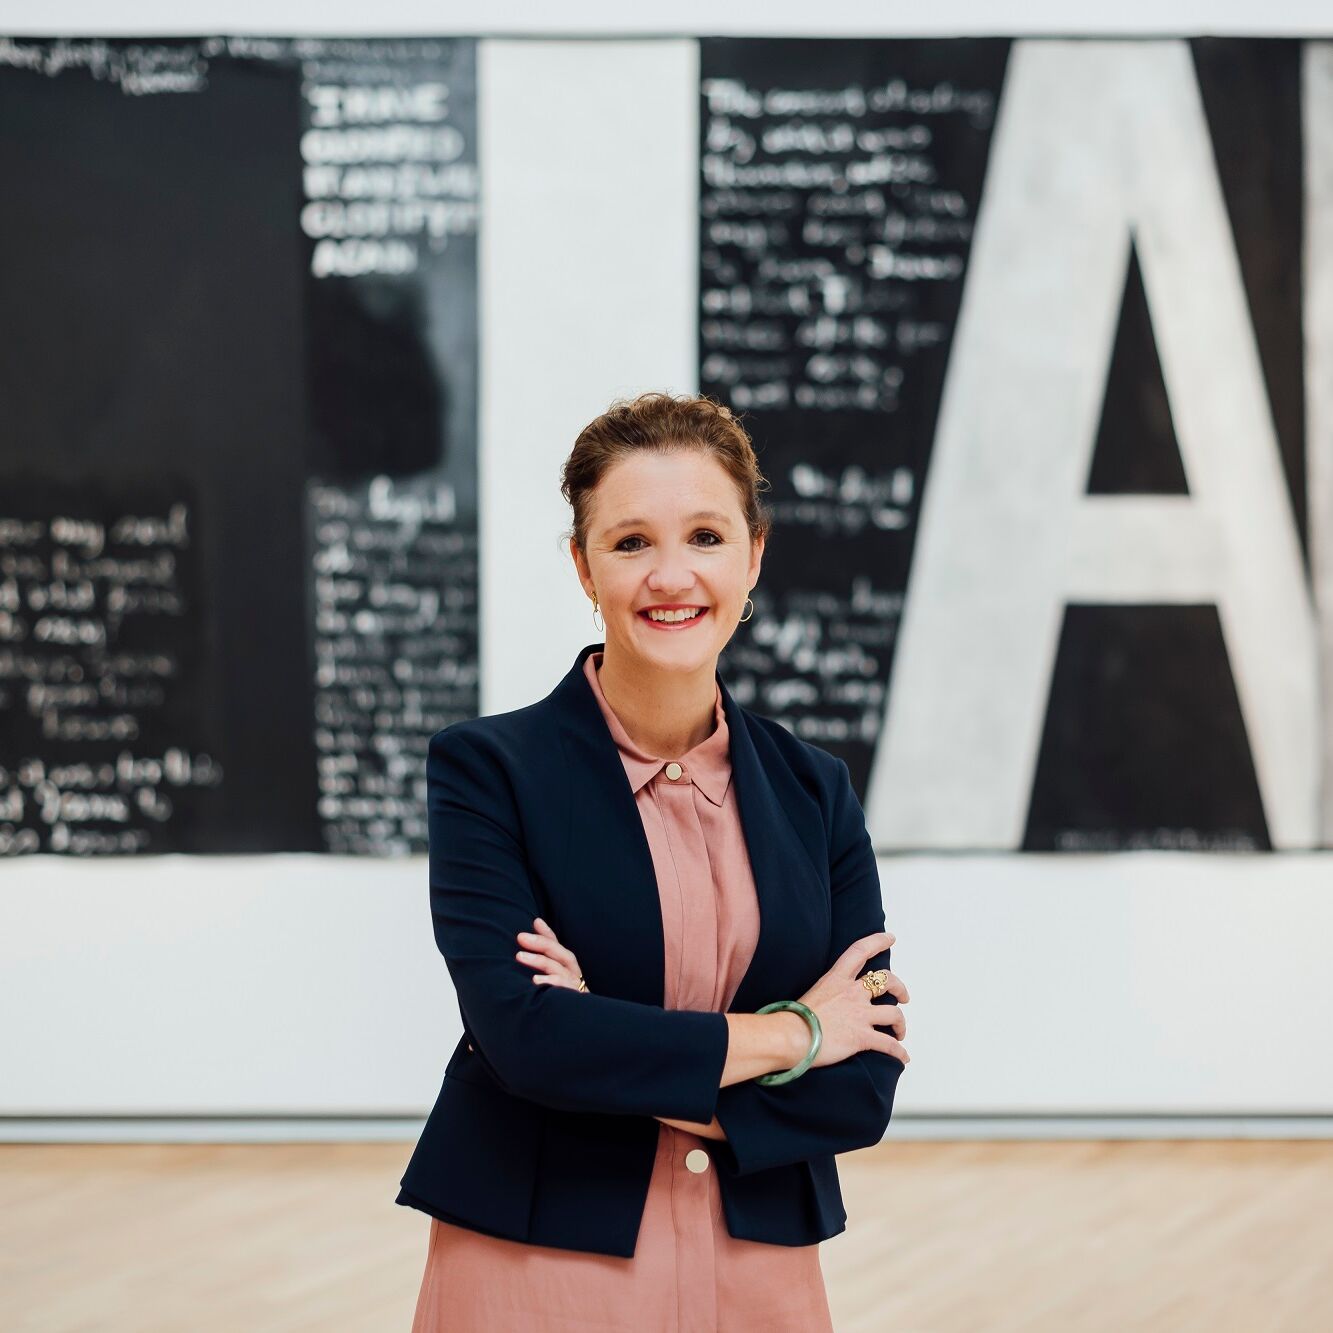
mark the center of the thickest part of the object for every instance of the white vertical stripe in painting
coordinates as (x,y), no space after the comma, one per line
(588,270)
(1317,126)
(1096,143)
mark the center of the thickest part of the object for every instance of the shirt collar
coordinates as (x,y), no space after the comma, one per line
(708,765)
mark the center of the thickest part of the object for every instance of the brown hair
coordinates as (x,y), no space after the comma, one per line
(663,422)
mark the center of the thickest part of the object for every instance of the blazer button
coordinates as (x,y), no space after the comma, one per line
(673,771)
(697,1160)
(469,1046)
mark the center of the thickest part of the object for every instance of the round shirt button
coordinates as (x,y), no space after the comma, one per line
(673,771)
(697,1160)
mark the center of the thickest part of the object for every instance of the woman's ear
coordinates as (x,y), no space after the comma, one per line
(581,567)
(756,560)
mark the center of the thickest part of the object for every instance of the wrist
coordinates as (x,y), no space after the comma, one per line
(796,1033)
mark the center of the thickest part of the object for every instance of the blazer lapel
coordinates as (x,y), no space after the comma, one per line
(610,861)
(609,864)
(793,913)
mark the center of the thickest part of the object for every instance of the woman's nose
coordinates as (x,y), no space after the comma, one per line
(670,586)
(671,574)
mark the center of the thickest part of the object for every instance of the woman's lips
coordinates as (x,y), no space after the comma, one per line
(673,624)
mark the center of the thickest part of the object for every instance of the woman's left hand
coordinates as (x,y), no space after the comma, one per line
(556,965)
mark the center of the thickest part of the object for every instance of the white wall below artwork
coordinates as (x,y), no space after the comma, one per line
(1135,984)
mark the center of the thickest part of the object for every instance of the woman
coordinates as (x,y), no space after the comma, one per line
(631,882)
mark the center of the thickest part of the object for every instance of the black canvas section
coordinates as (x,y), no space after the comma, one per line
(1144,743)
(859,222)
(1136,449)
(153,303)
(1251,90)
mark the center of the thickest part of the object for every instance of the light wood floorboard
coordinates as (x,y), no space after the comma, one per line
(1071,1237)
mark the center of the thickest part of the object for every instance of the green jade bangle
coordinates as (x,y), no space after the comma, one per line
(816,1040)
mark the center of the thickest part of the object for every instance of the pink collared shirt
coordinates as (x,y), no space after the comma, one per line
(688,1273)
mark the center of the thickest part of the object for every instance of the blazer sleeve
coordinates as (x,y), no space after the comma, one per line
(832,1108)
(565,1049)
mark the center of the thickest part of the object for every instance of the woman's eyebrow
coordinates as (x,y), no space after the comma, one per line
(689,518)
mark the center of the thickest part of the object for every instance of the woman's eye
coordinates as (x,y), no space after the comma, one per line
(716,541)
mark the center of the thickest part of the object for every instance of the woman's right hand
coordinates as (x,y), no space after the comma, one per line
(848,1016)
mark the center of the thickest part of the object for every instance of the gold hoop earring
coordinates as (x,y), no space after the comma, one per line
(596,626)
(751,606)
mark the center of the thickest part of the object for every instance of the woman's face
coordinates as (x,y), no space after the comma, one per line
(666,531)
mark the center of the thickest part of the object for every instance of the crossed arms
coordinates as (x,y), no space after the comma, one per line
(595,1053)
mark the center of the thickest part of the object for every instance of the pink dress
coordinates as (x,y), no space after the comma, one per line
(688,1273)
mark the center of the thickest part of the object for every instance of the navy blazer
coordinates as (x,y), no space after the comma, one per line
(543,1130)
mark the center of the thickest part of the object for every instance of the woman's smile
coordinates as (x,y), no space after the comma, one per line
(675,618)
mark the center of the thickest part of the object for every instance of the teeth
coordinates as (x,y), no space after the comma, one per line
(673,615)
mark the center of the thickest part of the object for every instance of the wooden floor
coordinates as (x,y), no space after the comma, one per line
(941,1238)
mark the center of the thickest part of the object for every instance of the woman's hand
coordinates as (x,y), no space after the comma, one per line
(557,965)
(848,1016)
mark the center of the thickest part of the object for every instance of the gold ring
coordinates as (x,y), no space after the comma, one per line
(876,981)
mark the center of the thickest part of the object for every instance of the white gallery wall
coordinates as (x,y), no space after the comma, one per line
(1136,986)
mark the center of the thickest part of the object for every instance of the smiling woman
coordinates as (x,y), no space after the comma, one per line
(627,879)
(668,540)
